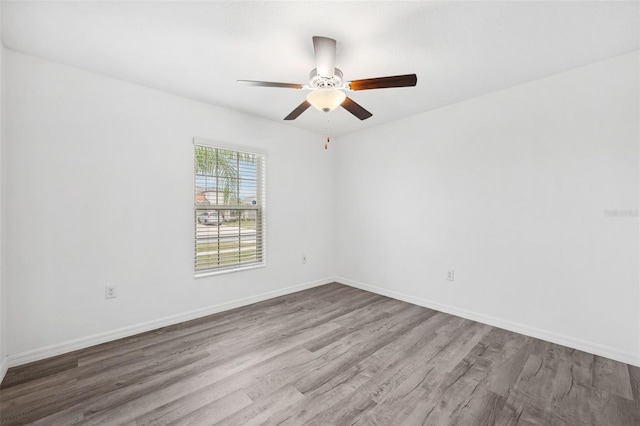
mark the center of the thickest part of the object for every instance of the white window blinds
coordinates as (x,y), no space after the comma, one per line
(229,213)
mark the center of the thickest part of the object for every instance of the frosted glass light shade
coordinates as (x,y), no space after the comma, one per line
(326,99)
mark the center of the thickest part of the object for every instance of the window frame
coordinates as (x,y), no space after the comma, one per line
(260,209)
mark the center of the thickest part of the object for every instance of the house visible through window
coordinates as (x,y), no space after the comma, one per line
(229,209)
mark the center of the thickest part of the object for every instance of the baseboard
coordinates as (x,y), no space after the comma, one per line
(4,366)
(14,360)
(549,336)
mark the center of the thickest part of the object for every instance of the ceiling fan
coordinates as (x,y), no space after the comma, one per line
(327,87)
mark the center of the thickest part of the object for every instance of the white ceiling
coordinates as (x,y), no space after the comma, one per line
(459,50)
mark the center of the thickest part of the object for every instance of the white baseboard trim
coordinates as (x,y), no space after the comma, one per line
(21,358)
(549,336)
(4,366)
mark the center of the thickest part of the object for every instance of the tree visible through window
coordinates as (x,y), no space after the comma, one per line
(229,209)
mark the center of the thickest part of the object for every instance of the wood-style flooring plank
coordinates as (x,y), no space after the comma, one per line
(36,370)
(331,355)
(133,402)
(261,409)
(612,376)
(215,411)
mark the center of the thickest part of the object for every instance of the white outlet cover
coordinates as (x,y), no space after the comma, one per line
(110,291)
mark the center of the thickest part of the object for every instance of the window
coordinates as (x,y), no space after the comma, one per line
(229,211)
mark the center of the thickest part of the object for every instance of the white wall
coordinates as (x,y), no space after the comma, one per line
(3,299)
(100,191)
(510,191)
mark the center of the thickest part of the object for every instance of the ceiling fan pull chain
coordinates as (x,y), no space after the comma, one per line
(326,144)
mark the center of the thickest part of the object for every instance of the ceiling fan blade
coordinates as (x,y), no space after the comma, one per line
(384,82)
(270,84)
(299,110)
(325,49)
(355,109)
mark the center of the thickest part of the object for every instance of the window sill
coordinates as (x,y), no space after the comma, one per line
(229,271)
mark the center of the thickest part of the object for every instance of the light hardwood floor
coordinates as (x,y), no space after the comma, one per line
(332,355)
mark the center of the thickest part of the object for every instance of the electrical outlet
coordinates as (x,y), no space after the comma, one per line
(110,291)
(450,275)
(304,258)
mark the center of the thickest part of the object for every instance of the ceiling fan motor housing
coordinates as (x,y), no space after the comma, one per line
(318,82)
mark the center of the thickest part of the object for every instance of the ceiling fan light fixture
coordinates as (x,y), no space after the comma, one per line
(326,99)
